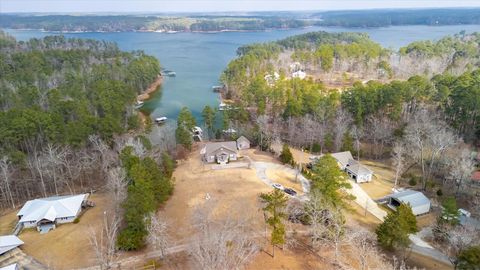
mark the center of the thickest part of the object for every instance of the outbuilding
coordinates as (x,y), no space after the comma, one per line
(419,203)
(243,143)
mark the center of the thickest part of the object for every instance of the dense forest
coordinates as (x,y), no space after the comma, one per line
(339,59)
(63,104)
(123,23)
(380,18)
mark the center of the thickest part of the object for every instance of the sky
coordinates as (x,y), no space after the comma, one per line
(135,6)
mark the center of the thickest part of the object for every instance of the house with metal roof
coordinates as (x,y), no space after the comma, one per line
(10,267)
(419,203)
(220,152)
(46,213)
(9,242)
(356,170)
(243,143)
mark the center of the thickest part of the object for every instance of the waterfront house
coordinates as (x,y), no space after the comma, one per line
(220,152)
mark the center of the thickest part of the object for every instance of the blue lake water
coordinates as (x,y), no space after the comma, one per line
(199,58)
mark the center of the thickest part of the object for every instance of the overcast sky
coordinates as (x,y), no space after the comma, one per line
(126,6)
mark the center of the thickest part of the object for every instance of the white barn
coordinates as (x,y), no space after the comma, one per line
(419,203)
(46,213)
(9,242)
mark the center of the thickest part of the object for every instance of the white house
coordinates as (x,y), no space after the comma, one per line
(220,152)
(299,74)
(46,213)
(9,242)
(419,203)
(356,170)
(243,143)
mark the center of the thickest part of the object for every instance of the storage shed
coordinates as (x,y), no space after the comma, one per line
(419,203)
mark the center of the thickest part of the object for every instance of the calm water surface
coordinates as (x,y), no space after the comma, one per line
(199,58)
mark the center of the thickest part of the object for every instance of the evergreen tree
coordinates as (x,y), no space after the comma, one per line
(184,137)
(397,226)
(286,156)
(186,119)
(274,204)
(450,212)
(208,115)
(328,179)
(469,259)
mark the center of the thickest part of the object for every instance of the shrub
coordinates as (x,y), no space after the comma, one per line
(76,220)
(439,192)
(316,147)
(412,182)
(286,156)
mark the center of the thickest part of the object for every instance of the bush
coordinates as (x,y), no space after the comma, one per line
(316,147)
(76,220)
(286,156)
(439,192)
(412,182)
(145,142)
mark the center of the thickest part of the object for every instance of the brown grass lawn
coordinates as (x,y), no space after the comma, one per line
(8,220)
(68,245)
(230,188)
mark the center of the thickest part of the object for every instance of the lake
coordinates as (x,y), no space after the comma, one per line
(199,58)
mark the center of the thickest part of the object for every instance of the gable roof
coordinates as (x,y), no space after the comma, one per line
(357,167)
(343,157)
(9,242)
(243,138)
(213,147)
(412,197)
(51,208)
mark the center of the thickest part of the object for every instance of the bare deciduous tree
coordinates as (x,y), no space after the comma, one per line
(7,169)
(430,137)
(342,122)
(460,238)
(158,235)
(221,244)
(461,167)
(398,160)
(363,243)
(117,186)
(104,242)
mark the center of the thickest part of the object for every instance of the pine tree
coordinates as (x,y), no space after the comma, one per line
(274,204)
(397,226)
(286,156)
(328,179)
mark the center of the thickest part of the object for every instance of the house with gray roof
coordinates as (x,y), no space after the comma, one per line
(46,213)
(356,170)
(419,203)
(220,152)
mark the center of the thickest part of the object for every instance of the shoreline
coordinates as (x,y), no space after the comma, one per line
(145,95)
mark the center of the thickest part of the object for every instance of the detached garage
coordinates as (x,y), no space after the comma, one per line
(419,203)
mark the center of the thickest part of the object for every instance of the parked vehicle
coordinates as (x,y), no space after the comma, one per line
(290,191)
(277,186)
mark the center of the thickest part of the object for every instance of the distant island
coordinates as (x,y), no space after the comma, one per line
(259,21)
